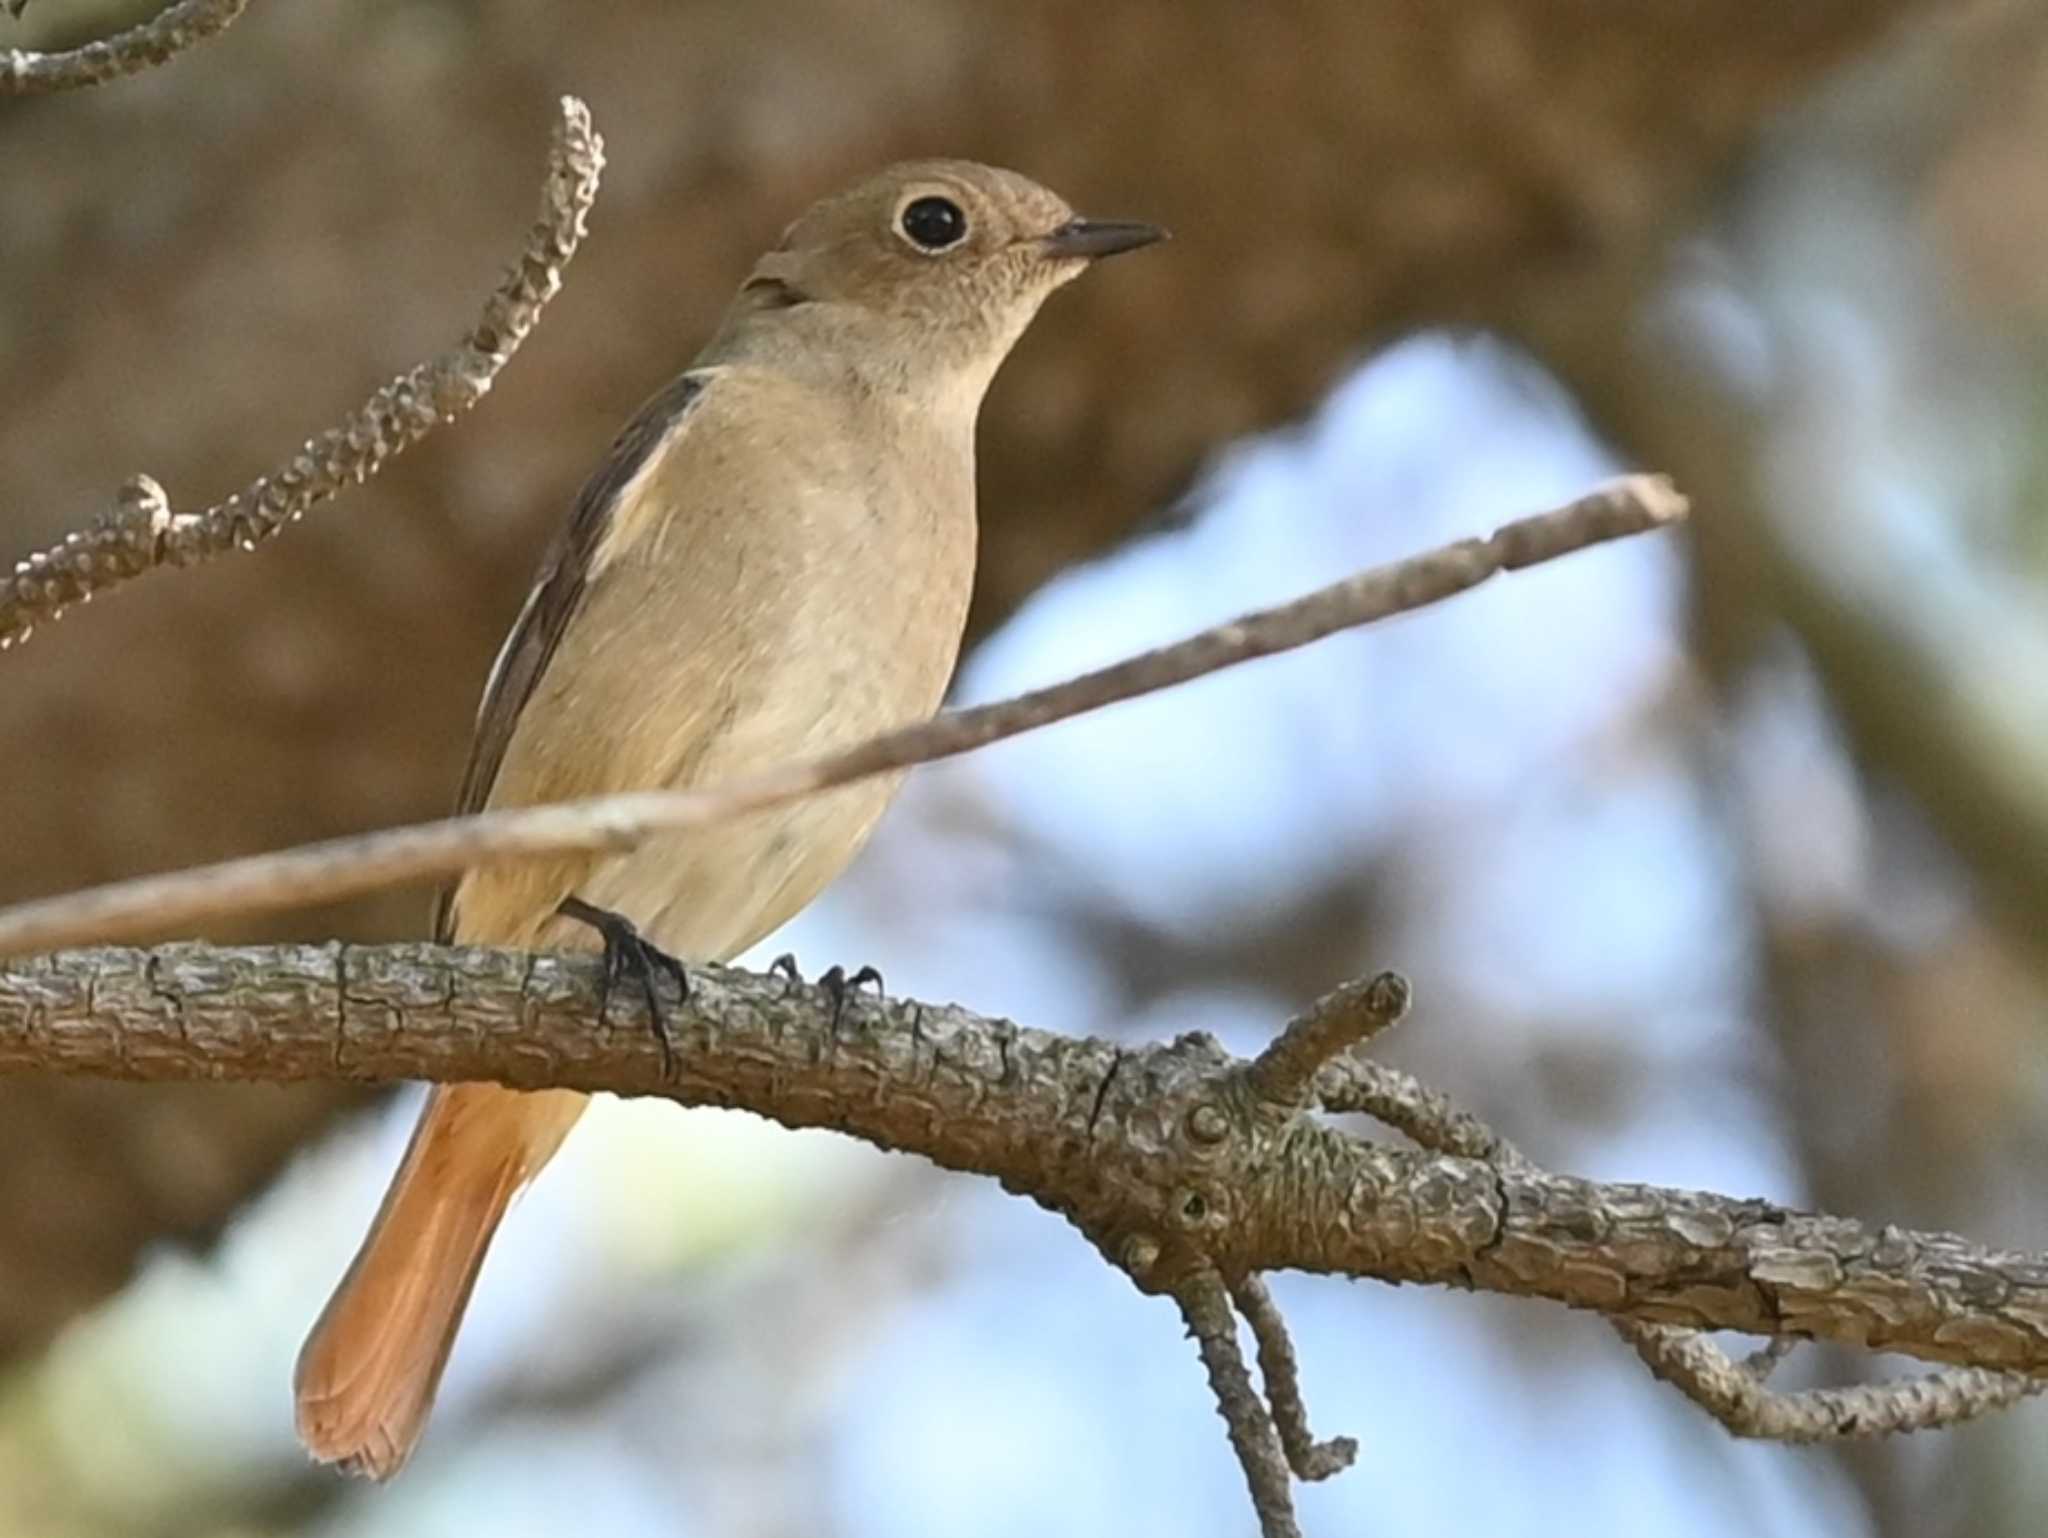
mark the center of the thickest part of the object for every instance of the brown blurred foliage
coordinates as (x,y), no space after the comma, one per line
(205,265)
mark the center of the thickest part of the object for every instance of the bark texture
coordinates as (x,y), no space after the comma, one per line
(1168,1157)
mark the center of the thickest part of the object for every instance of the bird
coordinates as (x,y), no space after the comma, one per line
(774,560)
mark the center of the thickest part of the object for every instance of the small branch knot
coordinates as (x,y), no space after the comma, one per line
(1206,1123)
(142,501)
(1136,1257)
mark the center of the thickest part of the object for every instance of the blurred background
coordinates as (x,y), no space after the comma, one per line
(1719,860)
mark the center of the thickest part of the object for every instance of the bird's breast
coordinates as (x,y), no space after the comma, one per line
(781,585)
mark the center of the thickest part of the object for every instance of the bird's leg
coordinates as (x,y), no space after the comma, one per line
(625,950)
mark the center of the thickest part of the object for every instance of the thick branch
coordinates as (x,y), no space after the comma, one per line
(350,866)
(25,72)
(140,533)
(1121,1140)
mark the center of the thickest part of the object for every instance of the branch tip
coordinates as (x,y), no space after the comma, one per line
(1630,504)
(1308,1458)
(1348,1015)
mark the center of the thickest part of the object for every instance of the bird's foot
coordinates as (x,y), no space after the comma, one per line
(626,950)
(834,981)
(838,985)
(784,966)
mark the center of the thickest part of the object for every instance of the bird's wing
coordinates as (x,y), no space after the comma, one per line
(564,577)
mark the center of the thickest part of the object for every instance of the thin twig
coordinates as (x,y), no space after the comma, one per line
(1400,1100)
(25,72)
(141,533)
(347,867)
(1734,1394)
(1764,1361)
(1205,1305)
(1308,1458)
(1347,1016)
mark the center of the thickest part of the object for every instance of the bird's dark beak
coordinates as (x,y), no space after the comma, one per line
(1090,238)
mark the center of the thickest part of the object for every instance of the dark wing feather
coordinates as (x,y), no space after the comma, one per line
(555,598)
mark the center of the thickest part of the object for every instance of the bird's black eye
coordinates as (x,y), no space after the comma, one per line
(933,224)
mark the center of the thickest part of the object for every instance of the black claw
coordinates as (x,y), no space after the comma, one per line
(836,983)
(626,951)
(785,966)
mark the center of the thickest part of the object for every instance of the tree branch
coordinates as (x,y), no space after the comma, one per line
(25,72)
(140,533)
(1734,1393)
(1168,1157)
(1118,1152)
(350,866)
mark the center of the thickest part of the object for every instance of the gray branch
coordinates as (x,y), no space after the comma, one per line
(1167,1156)
(1734,1393)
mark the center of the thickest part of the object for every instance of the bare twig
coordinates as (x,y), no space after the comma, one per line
(1308,1458)
(347,867)
(1412,1108)
(1205,1305)
(24,72)
(140,532)
(1734,1394)
(1347,1016)
(1764,1361)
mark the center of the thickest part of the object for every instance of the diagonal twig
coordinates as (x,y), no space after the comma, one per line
(347,867)
(1348,1016)
(26,72)
(1427,1116)
(141,533)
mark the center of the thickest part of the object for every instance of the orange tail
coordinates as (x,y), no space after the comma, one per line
(367,1373)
